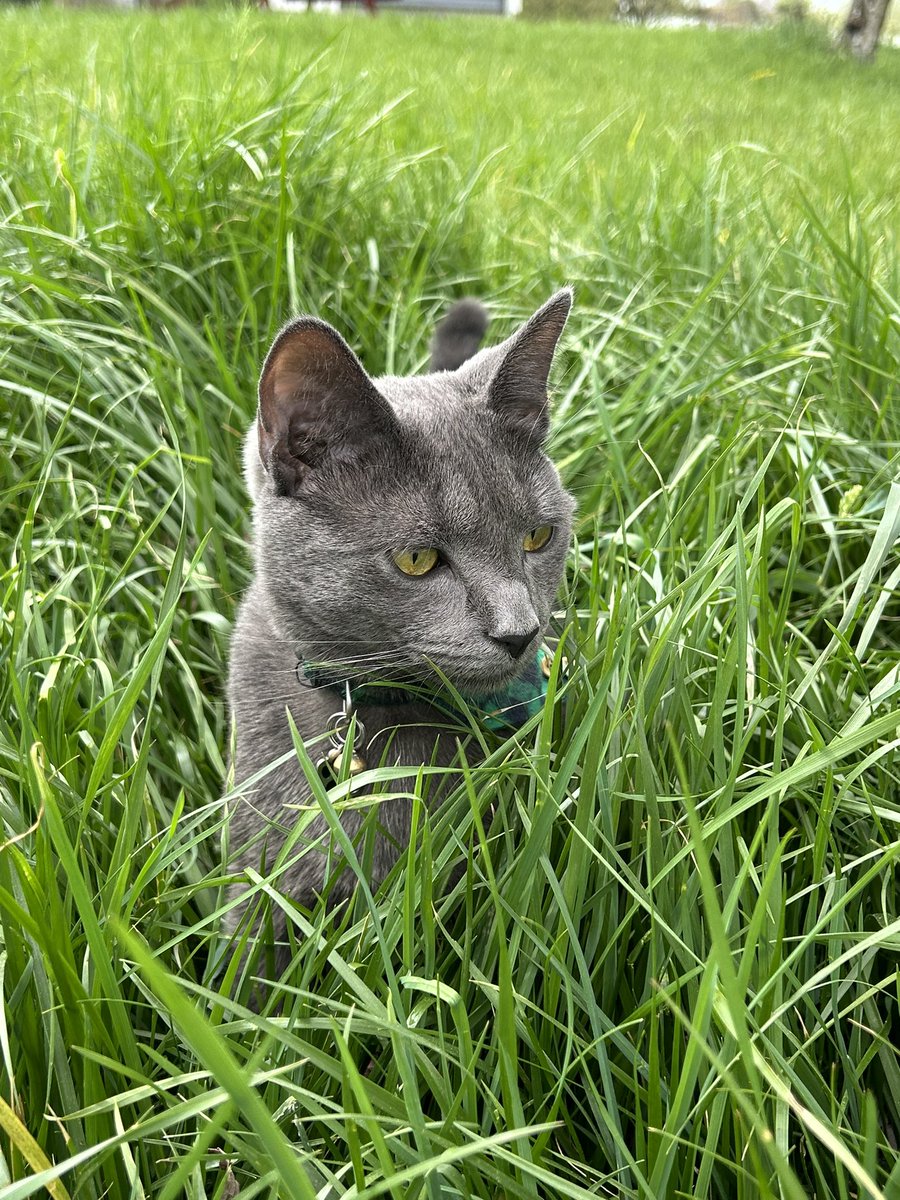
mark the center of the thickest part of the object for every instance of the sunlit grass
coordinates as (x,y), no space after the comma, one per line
(668,967)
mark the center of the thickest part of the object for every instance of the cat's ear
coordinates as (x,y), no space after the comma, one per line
(518,386)
(316,405)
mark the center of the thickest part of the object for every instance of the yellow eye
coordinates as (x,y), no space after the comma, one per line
(417,562)
(537,539)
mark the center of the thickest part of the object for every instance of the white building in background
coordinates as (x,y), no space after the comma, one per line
(509,8)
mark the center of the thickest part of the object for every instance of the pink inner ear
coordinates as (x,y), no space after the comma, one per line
(310,351)
(306,363)
(285,384)
(316,402)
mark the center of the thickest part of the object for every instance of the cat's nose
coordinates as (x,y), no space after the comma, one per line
(515,643)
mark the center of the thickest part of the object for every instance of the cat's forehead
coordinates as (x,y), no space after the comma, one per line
(461,443)
(458,474)
(466,472)
(454,494)
(445,412)
(423,401)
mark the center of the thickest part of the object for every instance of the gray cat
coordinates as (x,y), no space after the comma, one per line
(409,530)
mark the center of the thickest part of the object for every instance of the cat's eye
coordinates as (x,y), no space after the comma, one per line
(537,539)
(417,562)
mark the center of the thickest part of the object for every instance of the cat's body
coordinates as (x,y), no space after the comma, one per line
(346,473)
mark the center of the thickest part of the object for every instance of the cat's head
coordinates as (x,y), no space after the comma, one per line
(408,524)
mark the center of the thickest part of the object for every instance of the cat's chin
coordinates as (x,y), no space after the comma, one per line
(484,683)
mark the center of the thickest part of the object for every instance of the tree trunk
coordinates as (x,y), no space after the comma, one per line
(863,26)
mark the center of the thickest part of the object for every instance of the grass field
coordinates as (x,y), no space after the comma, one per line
(670,969)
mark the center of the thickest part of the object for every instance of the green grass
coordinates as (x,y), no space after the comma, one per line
(670,967)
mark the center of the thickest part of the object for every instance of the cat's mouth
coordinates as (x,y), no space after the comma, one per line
(485,677)
(495,671)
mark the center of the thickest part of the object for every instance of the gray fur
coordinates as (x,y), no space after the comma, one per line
(344,471)
(458,335)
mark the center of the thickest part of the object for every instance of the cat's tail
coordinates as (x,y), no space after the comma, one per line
(458,335)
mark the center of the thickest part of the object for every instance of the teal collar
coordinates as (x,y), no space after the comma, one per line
(501,711)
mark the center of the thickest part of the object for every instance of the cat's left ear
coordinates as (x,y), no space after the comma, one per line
(518,386)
